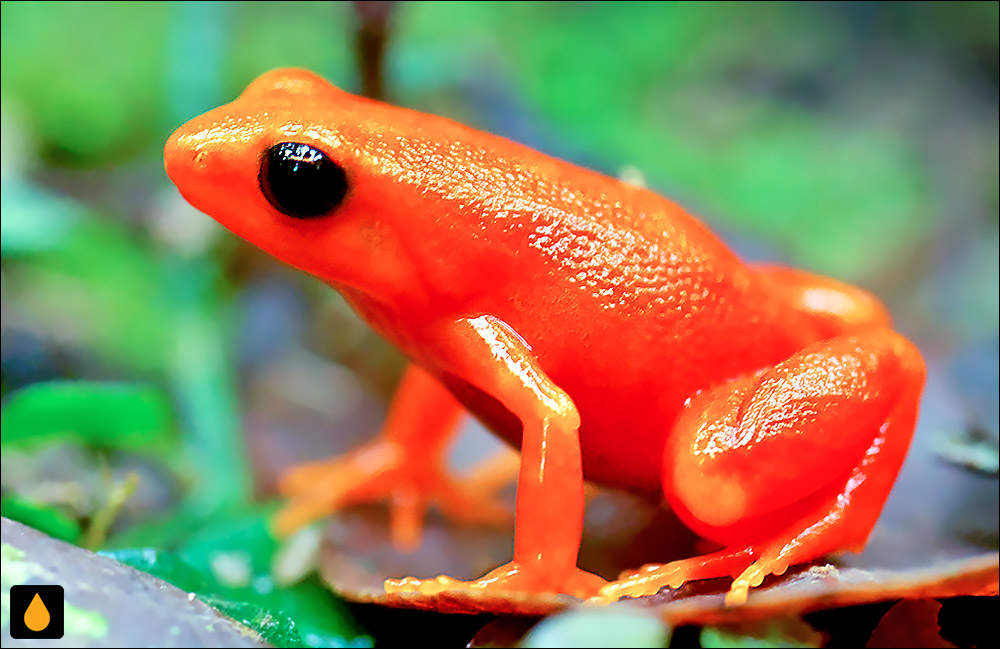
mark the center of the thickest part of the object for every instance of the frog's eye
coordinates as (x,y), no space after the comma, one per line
(301,181)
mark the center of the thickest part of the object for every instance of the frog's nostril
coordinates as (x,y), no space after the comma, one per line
(185,157)
(201,158)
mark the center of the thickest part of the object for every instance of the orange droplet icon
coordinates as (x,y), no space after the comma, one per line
(37,616)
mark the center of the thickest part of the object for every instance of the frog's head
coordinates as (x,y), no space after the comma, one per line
(320,178)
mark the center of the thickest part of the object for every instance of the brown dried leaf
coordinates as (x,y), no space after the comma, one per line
(910,623)
(503,632)
(937,537)
(822,587)
(620,531)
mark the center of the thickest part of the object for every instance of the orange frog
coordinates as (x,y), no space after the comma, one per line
(595,325)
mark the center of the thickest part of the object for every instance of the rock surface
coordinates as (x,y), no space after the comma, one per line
(107,603)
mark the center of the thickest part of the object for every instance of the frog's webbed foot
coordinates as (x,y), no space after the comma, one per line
(753,577)
(652,578)
(380,472)
(513,577)
(404,466)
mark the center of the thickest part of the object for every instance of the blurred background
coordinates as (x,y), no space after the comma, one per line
(157,371)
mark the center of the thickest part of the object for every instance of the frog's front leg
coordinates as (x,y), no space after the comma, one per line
(549,512)
(405,465)
(790,463)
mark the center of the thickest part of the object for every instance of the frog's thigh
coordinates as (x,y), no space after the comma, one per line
(803,453)
(790,463)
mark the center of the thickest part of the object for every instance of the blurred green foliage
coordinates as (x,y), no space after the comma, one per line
(745,109)
(856,139)
(617,626)
(780,633)
(101,82)
(41,517)
(99,415)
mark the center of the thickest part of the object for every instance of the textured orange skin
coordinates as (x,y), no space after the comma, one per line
(658,333)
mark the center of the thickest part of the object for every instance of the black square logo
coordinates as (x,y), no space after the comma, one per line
(36,612)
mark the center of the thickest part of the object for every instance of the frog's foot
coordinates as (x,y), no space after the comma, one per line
(752,577)
(383,471)
(511,577)
(651,578)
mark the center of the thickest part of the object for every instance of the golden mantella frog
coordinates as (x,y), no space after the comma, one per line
(595,325)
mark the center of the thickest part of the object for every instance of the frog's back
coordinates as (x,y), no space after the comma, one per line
(631,304)
(576,246)
(511,208)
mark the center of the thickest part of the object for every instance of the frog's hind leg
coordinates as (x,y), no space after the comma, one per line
(404,465)
(789,464)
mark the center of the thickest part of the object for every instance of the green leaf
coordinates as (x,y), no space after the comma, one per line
(615,626)
(40,517)
(109,415)
(167,566)
(321,619)
(274,626)
(777,633)
(241,548)
(228,564)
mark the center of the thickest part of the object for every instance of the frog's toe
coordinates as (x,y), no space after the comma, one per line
(382,471)
(512,577)
(646,581)
(752,577)
(432,586)
(650,579)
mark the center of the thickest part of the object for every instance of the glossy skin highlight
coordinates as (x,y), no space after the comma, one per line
(595,325)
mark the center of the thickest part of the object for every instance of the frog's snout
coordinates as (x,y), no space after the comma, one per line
(181,153)
(191,164)
(194,158)
(175,155)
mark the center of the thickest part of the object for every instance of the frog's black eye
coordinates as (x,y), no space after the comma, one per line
(301,181)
